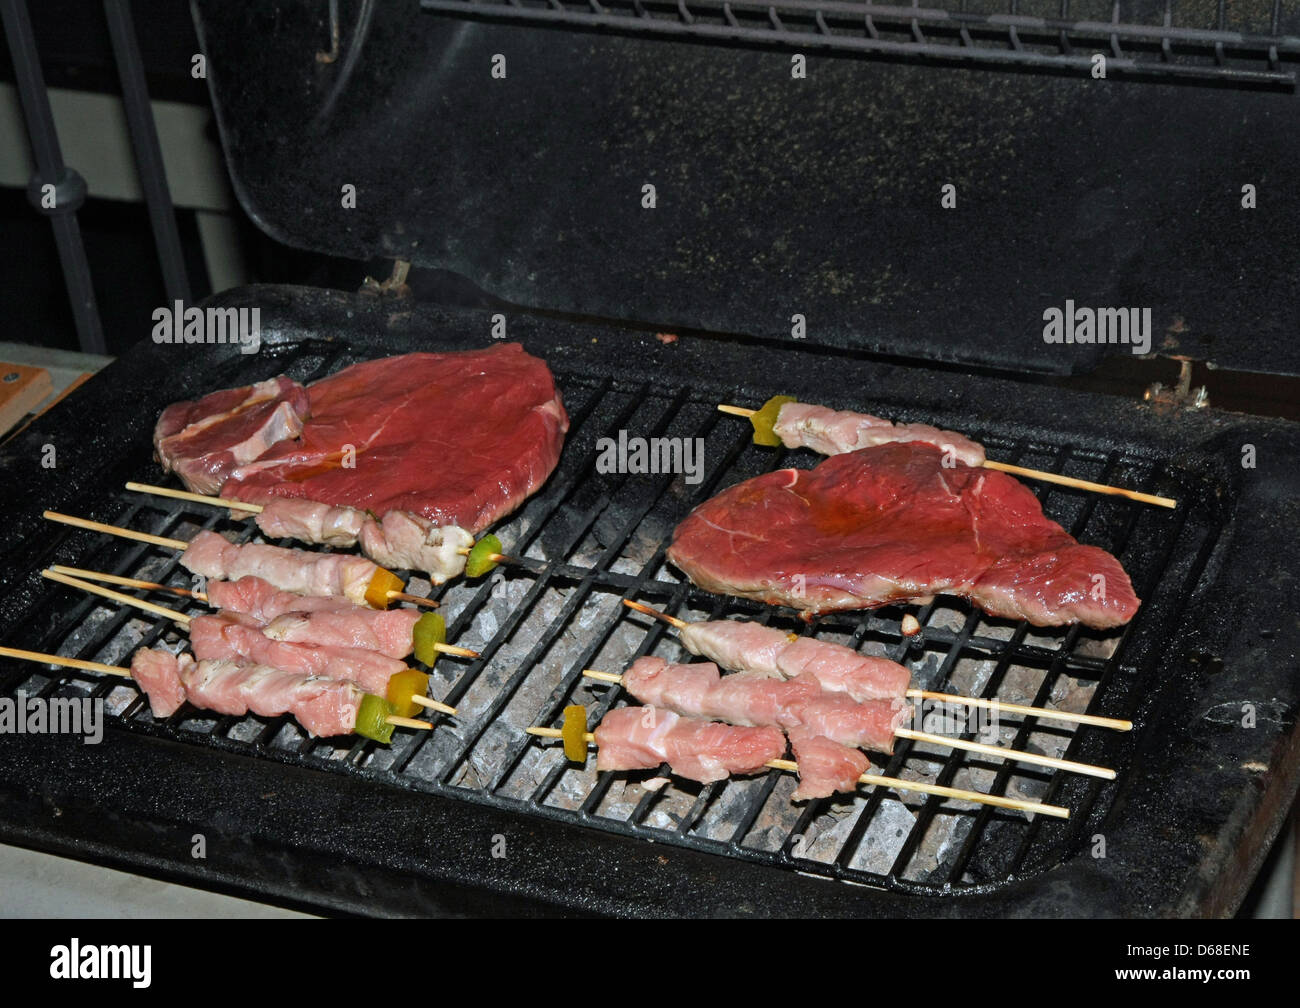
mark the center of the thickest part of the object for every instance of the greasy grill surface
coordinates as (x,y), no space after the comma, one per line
(406,828)
(592,539)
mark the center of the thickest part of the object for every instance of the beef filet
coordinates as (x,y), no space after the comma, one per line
(456,438)
(893,524)
(205,440)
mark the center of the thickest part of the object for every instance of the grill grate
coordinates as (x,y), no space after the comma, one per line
(1253,45)
(591,539)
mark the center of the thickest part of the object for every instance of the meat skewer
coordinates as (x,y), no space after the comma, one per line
(800,425)
(227,637)
(630,723)
(305,618)
(276,523)
(698,690)
(305,573)
(751,647)
(401,540)
(324,707)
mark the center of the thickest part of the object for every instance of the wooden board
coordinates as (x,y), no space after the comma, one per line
(22,389)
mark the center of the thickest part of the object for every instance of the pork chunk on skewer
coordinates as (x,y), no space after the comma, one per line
(324,707)
(640,738)
(833,432)
(398,541)
(698,690)
(232,637)
(216,558)
(825,767)
(762,650)
(158,673)
(324,621)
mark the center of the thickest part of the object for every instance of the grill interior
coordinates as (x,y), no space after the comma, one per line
(589,540)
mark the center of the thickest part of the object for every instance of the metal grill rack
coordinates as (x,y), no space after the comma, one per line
(1204,43)
(591,539)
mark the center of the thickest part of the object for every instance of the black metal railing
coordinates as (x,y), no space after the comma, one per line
(58,191)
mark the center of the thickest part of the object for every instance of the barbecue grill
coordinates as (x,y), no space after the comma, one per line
(905,318)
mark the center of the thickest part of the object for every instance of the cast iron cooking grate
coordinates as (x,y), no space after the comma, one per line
(1251,44)
(590,539)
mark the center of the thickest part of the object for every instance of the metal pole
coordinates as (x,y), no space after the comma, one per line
(148,153)
(55,190)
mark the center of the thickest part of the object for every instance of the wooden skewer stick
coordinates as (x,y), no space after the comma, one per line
(460,652)
(494,557)
(1044,713)
(418,600)
(184,620)
(1038,474)
(89,666)
(739,411)
(872,780)
(76,663)
(237,505)
(89,575)
(409,722)
(185,495)
(663,617)
(176,617)
(929,738)
(117,530)
(127,582)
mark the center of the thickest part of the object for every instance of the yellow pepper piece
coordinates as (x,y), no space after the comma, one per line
(404,685)
(381,583)
(765,420)
(575,733)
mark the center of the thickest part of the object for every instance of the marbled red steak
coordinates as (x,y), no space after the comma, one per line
(205,440)
(457,438)
(893,524)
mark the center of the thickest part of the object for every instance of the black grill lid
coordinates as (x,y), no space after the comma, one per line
(775,197)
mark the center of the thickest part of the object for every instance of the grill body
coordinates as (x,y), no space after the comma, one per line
(413,828)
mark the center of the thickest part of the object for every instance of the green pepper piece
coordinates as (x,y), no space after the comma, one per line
(480,556)
(430,630)
(765,420)
(575,733)
(372,719)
